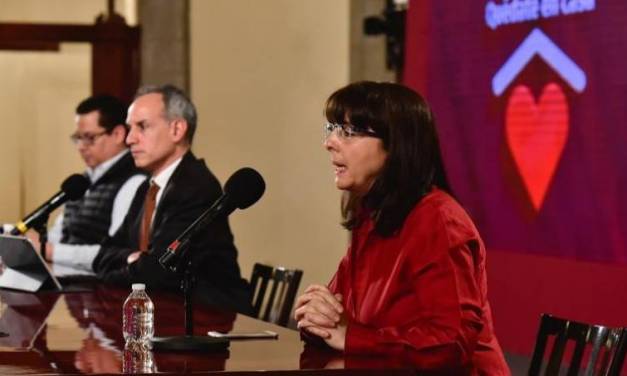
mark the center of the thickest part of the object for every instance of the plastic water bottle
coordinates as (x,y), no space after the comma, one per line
(138,322)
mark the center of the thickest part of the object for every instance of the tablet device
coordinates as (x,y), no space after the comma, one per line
(22,267)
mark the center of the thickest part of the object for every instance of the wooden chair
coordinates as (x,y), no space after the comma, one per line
(277,306)
(606,348)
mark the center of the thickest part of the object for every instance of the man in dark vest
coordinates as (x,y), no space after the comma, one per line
(162,122)
(100,139)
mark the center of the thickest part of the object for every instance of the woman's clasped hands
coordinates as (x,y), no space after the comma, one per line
(320,313)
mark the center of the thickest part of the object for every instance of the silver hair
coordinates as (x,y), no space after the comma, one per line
(177,105)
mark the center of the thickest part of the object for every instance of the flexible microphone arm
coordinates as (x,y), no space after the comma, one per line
(241,190)
(39,215)
(169,259)
(72,188)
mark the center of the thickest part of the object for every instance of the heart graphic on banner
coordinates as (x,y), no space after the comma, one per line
(536,135)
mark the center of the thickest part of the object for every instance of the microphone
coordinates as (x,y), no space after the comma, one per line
(72,188)
(244,188)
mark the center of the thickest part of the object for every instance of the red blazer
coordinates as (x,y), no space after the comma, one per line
(421,294)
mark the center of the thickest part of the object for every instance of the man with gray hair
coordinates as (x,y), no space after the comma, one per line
(162,123)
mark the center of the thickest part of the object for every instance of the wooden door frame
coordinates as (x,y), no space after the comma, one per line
(115,53)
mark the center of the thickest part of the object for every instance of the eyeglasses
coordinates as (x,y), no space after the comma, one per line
(86,138)
(346,131)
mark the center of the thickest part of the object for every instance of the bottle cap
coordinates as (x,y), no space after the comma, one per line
(138,286)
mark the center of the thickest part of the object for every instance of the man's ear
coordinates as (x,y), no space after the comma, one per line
(119,134)
(178,130)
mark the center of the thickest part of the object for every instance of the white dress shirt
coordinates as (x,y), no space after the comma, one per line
(162,180)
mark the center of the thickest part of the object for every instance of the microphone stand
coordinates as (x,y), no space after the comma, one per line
(187,284)
(188,342)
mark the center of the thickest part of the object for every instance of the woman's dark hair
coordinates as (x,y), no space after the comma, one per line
(405,124)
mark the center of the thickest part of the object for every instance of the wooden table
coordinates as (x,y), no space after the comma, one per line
(73,333)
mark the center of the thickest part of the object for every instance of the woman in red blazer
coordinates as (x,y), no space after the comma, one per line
(413,281)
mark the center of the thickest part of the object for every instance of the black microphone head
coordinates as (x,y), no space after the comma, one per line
(244,187)
(75,186)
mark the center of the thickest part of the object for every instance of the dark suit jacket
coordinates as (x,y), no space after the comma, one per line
(191,190)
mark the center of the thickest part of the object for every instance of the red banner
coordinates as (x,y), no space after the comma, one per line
(530,98)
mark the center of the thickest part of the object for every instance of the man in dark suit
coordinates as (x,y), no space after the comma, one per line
(162,121)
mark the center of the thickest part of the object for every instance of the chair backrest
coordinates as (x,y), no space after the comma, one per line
(284,283)
(259,279)
(605,347)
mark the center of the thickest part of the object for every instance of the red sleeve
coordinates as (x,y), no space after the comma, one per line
(339,279)
(442,299)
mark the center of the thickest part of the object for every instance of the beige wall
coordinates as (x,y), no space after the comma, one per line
(40,91)
(260,72)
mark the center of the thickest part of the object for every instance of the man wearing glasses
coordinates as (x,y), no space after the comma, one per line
(100,140)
